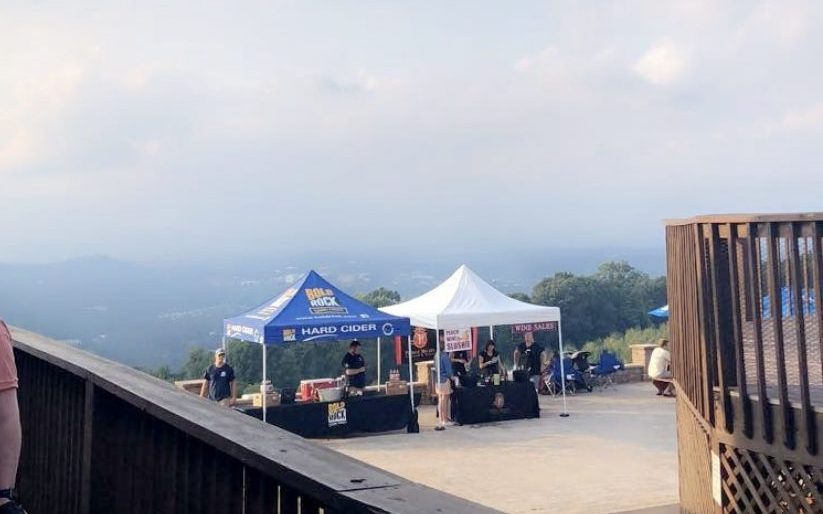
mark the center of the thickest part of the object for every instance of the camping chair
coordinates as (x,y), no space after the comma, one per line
(552,378)
(604,371)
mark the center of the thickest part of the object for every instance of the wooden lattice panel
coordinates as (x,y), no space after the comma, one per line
(756,483)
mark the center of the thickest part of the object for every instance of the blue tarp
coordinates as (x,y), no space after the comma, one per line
(787,306)
(660,312)
(313,310)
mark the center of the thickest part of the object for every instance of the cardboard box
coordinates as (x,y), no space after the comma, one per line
(397,387)
(272,400)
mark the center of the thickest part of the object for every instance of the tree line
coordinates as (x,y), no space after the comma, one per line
(596,310)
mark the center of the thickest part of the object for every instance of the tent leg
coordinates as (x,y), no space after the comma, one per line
(263,388)
(411,376)
(413,426)
(378,364)
(440,420)
(565,413)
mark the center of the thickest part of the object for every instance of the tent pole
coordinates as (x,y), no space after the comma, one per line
(411,374)
(263,388)
(565,413)
(437,374)
(378,364)
(491,331)
(225,348)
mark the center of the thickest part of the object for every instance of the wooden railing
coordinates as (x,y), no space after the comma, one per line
(745,321)
(100,437)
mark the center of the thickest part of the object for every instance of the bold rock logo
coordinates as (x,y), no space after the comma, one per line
(337,414)
(289,334)
(323,301)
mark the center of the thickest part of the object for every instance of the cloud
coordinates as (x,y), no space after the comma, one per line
(662,64)
(15,149)
(361,82)
(810,117)
(796,121)
(117,132)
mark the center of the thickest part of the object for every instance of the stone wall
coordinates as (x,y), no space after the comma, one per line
(631,373)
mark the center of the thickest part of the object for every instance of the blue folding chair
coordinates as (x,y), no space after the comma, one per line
(552,379)
(604,371)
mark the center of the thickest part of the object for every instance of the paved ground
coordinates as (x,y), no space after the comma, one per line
(616,452)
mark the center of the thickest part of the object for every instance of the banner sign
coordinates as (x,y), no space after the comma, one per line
(458,339)
(422,346)
(347,330)
(337,414)
(545,326)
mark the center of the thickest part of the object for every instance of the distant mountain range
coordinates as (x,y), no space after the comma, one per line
(149,315)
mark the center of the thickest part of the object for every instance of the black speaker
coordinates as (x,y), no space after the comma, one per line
(521,375)
(287,395)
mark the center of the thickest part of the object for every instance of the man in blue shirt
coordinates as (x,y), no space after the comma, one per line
(219,380)
(444,388)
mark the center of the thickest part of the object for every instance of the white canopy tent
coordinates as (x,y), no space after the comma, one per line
(465,300)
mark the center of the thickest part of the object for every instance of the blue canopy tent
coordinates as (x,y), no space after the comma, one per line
(312,310)
(787,305)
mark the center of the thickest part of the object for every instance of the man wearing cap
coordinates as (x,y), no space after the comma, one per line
(219,378)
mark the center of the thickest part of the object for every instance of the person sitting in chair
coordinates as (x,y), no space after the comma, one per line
(489,361)
(659,372)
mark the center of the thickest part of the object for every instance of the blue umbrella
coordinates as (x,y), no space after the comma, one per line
(660,312)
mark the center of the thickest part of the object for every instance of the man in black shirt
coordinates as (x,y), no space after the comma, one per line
(219,380)
(355,367)
(532,358)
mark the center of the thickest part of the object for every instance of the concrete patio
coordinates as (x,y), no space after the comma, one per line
(616,452)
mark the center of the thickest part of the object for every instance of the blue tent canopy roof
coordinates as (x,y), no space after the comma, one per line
(660,312)
(787,305)
(312,310)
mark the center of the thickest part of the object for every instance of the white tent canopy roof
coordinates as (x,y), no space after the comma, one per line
(466,300)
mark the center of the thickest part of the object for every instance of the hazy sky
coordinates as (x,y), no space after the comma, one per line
(148,130)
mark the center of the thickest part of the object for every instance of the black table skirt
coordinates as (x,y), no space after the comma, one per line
(510,400)
(377,413)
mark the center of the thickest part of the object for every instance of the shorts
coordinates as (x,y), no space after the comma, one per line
(444,387)
(8,371)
